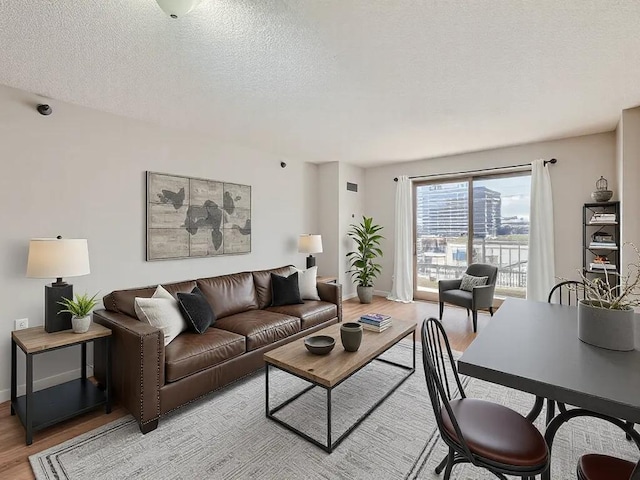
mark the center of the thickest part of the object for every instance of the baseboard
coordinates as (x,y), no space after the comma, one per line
(381,293)
(47,382)
(349,296)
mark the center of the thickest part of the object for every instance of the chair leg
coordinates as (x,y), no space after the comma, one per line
(441,309)
(447,471)
(475,321)
(491,311)
(442,464)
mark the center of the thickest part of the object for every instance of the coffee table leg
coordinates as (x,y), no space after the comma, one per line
(29,401)
(266,383)
(329,443)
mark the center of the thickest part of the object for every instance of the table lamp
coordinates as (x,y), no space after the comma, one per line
(57,258)
(308,243)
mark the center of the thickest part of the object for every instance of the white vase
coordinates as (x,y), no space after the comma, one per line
(81,324)
(606,328)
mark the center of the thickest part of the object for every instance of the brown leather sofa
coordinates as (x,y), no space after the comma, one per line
(151,380)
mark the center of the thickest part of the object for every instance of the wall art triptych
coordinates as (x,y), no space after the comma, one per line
(195,217)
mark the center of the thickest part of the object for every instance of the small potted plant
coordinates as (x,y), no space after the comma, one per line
(364,269)
(606,316)
(80,309)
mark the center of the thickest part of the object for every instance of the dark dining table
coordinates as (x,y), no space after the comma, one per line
(534,347)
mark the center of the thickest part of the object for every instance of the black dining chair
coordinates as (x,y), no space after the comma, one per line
(485,434)
(603,467)
(567,292)
(473,299)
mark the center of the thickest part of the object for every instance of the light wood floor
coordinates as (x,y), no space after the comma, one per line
(14,461)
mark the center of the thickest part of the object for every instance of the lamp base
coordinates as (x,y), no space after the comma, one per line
(54,321)
(311,261)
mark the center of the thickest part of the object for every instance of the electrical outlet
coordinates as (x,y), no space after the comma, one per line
(21,323)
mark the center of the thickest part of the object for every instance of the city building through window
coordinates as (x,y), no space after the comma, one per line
(487,216)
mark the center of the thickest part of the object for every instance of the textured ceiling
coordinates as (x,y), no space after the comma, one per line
(361,81)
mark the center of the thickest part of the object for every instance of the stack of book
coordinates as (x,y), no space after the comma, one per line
(603,218)
(603,240)
(376,322)
(600,262)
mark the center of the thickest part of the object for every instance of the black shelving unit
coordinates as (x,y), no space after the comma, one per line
(601,240)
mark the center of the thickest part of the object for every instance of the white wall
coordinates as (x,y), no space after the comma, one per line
(81,173)
(328,225)
(581,161)
(350,210)
(628,169)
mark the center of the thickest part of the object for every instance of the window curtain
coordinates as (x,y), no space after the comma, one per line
(541,262)
(402,288)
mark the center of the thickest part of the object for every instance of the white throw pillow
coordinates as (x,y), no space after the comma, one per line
(161,311)
(307,283)
(469,281)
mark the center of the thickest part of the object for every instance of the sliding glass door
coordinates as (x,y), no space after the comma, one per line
(476,219)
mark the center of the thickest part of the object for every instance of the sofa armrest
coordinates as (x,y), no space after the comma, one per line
(482,296)
(332,293)
(444,285)
(137,356)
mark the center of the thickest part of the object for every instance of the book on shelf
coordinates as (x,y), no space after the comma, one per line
(602,266)
(603,218)
(375,323)
(607,245)
(602,237)
(378,317)
(373,328)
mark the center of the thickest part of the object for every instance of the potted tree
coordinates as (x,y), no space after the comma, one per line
(80,309)
(364,268)
(606,316)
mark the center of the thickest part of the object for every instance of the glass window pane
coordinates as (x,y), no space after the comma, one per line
(501,229)
(442,227)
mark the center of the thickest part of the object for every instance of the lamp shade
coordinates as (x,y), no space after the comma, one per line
(57,257)
(310,243)
(177,8)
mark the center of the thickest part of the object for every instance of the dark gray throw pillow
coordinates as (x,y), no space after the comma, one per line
(196,310)
(285,290)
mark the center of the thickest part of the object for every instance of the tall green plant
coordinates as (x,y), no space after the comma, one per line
(364,269)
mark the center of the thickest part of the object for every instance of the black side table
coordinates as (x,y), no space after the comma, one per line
(41,409)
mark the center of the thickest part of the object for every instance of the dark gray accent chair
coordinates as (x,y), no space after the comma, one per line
(480,299)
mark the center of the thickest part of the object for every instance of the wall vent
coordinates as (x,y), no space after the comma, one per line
(352,187)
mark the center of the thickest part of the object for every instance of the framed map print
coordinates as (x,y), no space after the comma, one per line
(195,217)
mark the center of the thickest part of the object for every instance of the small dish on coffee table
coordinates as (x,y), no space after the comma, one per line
(320,344)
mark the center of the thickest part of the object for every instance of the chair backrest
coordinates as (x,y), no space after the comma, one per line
(439,370)
(483,270)
(567,292)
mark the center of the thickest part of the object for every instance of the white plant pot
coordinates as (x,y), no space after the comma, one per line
(606,328)
(80,324)
(365,294)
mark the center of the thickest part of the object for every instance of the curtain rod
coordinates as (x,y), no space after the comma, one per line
(553,161)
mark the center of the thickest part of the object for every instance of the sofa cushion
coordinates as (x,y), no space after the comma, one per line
(161,311)
(229,294)
(310,313)
(308,283)
(192,352)
(121,301)
(196,310)
(262,280)
(285,290)
(260,327)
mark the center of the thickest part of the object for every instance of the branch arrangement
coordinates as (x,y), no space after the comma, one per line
(604,293)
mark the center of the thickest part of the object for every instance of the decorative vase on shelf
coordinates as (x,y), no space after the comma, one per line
(351,336)
(80,324)
(608,328)
(602,192)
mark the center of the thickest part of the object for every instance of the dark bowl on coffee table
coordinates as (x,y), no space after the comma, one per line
(320,344)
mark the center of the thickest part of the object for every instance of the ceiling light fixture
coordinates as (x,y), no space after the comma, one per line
(177,8)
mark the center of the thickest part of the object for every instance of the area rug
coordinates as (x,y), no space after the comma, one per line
(227,436)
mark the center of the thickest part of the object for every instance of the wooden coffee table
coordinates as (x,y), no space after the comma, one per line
(329,371)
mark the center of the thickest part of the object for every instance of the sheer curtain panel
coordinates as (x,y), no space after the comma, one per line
(402,288)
